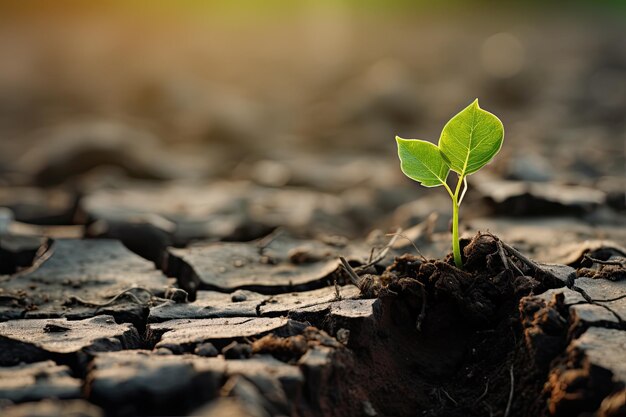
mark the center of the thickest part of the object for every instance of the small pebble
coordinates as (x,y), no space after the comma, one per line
(163,351)
(177,295)
(207,350)
(343,335)
(368,409)
(170,349)
(236,350)
(238,296)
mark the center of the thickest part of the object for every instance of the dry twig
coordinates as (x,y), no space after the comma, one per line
(267,240)
(381,255)
(337,290)
(412,244)
(505,260)
(356,280)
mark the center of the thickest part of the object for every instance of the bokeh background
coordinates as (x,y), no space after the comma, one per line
(304,98)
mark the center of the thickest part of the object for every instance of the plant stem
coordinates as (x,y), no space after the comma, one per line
(456,246)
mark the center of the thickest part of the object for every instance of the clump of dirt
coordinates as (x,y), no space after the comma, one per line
(603,263)
(291,349)
(574,385)
(545,328)
(616,272)
(451,342)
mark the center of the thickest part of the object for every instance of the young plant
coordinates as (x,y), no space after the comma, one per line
(467,143)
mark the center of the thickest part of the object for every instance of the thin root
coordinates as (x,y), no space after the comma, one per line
(127,292)
(511,390)
(608,300)
(484,394)
(448,396)
(422,315)
(590,300)
(601,262)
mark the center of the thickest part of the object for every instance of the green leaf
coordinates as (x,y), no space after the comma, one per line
(471,139)
(422,161)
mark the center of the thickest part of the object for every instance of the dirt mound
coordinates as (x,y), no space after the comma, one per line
(448,341)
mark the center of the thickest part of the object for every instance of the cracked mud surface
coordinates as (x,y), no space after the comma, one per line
(171,230)
(426,337)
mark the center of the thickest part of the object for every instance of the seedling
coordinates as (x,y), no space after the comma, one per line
(467,143)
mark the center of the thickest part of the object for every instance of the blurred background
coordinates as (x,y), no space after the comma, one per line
(225,119)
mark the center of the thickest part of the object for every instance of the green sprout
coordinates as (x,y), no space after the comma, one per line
(467,143)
